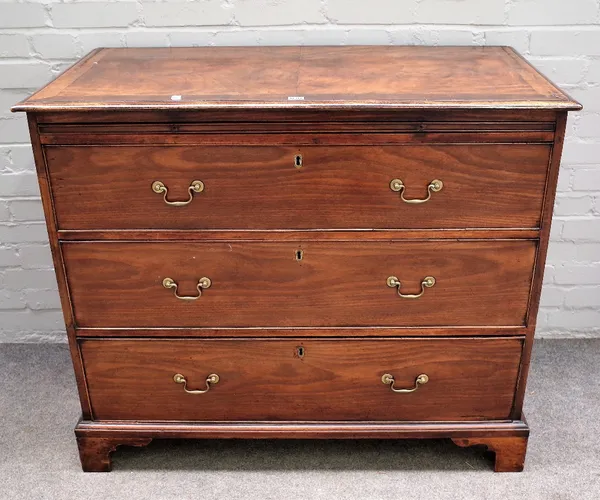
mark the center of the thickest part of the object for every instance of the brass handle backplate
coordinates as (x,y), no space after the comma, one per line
(213,378)
(398,186)
(202,283)
(195,187)
(394,282)
(388,379)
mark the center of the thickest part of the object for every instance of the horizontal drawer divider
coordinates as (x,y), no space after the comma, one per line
(300,235)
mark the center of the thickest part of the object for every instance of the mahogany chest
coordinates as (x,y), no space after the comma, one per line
(299,242)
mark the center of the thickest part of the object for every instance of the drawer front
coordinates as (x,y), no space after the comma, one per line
(265,187)
(312,284)
(468,379)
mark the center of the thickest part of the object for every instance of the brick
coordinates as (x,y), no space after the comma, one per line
(548,274)
(378,12)
(176,13)
(582,230)
(191,38)
(593,74)
(407,36)
(42,299)
(4,212)
(368,37)
(27,210)
(237,37)
(147,39)
(26,321)
(10,97)
(561,71)
(588,125)
(8,257)
(587,179)
(278,13)
(588,96)
(560,252)
(517,39)
(11,300)
(564,179)
(556,229)
(14,129)
(323,37)
(94,14)
(573,320)
(22,184)
(55,46)
(573,205)
(552,296)
(581,152)
(23,233)
(576,274)
(35,257)
(90,41)
(14,46)
(444,37)
(531,12)
(583,297)
(20,159)
(458,11)
(22,15)
(565,42)
(27,75)
(587,252)
(280,37)
(19,279)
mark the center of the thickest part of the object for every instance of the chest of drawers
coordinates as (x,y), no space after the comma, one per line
(299,242)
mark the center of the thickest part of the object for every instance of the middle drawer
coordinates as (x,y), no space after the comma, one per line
(302,284)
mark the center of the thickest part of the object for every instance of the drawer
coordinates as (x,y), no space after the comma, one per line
(264,187)
(468,379)
(311,284)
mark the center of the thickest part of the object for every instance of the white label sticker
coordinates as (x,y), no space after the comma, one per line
(296,98)
(175,98)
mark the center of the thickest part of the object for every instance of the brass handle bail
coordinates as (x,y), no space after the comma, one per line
(394,282)
(398,186)
(203,283)
(388,379)
(195,187)
(213,378)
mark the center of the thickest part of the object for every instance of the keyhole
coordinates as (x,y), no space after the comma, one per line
(300,351)
(298,161)
(299,254)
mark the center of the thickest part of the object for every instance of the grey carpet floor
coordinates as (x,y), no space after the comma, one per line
(38,455)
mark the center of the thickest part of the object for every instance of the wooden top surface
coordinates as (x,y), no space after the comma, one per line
(300,77)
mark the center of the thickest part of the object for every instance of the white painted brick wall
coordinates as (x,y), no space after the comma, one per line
(40,38)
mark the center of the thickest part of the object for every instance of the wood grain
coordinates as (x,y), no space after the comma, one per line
(94,452)
(485,186)
(334,77)
(267,380)
(509,451)
(335,284)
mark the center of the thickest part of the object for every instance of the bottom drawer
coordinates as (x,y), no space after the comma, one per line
(301,379)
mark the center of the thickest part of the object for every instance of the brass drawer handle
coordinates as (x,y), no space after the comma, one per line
(388,379)
(213,378)
(427,282)
(195,187)
(202,283)
(397,186)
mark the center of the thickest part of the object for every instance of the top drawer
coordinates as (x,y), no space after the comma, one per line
(304,187)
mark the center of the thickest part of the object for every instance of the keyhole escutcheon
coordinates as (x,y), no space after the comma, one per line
(300,351)
(298,161)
